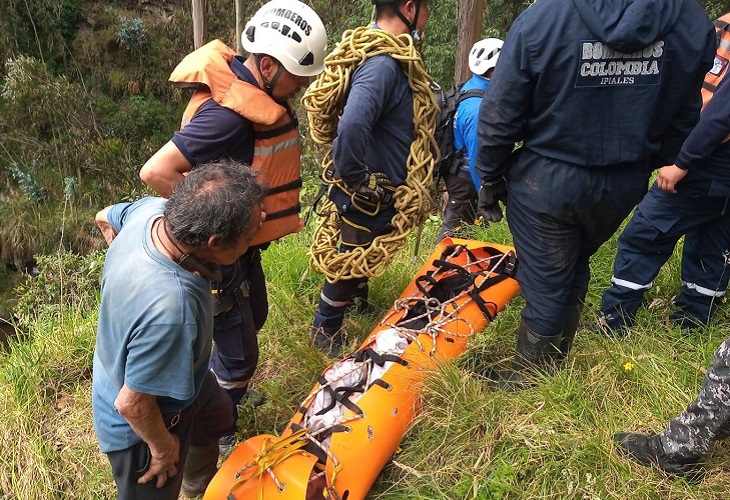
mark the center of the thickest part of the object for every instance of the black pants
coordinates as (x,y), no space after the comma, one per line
(462,204)
(203,422)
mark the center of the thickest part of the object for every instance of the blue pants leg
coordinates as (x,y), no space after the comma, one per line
(648,241)
(559,215)
(705,270)
(235,352)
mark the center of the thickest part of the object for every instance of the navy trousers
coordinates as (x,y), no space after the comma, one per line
(648,241)
(235,353)
(559,214)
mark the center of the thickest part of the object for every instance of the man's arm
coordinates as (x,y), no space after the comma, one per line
(709,134)
(144,416)
(107,230)
(165,169)
(370,87)
(504,107)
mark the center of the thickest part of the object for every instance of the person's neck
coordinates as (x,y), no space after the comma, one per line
(166,243)
(393,24)
(250,64)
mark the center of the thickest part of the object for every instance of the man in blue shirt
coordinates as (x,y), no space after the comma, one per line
(599,93)
(463,182)
(157,408)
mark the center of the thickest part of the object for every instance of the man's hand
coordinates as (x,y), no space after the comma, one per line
(163,460)
(144,416)
(373,190)
(668,178)
(490,194)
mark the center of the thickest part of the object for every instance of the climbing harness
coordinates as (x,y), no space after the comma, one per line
(352,421)
(412,201)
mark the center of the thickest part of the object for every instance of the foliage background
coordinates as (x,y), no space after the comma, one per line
(84,101)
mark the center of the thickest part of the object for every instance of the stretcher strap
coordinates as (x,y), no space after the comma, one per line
(272,454)
(340,395)
(378,359)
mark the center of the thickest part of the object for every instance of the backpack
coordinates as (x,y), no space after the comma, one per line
(448,100)
(722,57)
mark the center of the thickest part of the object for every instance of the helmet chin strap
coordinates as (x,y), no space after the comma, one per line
(411,25)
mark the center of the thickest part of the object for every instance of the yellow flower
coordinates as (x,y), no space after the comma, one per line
(628,366)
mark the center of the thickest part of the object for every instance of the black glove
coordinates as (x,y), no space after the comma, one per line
(490,195)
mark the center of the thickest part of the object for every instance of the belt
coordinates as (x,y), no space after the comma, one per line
(225,301)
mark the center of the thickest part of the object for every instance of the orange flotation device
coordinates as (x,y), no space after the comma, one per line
(352,421)
(276,155)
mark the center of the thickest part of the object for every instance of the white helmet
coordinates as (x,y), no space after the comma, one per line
(484,54)
(289,31)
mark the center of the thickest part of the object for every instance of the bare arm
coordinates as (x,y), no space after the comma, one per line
(165,169)
(103,224)
(143,414)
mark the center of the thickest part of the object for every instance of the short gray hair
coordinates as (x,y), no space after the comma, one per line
(214,199)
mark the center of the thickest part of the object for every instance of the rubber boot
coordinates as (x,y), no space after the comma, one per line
(572,320)
(535,354)
(201,465)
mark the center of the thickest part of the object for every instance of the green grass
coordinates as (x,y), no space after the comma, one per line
(552,441)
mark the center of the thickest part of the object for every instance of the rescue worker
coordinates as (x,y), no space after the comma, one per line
(690,199)
(370,151)
(680,447)
(463,183)
(600,92)
(254,123)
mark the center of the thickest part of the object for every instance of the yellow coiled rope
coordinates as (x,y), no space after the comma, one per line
(323,102)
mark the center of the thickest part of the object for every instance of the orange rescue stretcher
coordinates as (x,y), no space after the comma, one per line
(351,423)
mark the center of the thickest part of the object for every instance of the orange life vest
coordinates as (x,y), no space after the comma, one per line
(722,58)
(276,155)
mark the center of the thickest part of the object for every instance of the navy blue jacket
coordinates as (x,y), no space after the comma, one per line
(597,83)
(704,153)
(375,131)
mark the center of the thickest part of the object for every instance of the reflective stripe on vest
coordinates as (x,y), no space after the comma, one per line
(276,154)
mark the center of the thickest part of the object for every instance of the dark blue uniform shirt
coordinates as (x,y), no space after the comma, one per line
(610,86)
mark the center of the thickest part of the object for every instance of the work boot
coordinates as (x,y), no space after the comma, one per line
(686,322)
(226,444)
(201,465)
(648,450)
(535,354)
(330,344)
(572,321)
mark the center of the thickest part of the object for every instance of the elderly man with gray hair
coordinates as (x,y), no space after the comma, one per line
(157,407)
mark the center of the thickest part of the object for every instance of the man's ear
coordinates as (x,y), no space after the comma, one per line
(268,66)
(214,242)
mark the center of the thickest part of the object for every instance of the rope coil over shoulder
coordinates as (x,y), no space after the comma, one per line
(323,102)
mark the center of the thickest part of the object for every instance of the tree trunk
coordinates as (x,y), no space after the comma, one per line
(471,14)
(240,24)
(200,23)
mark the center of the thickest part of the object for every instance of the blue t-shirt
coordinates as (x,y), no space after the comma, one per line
(155,325)
(466,120)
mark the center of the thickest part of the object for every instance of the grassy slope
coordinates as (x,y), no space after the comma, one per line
(549,442)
